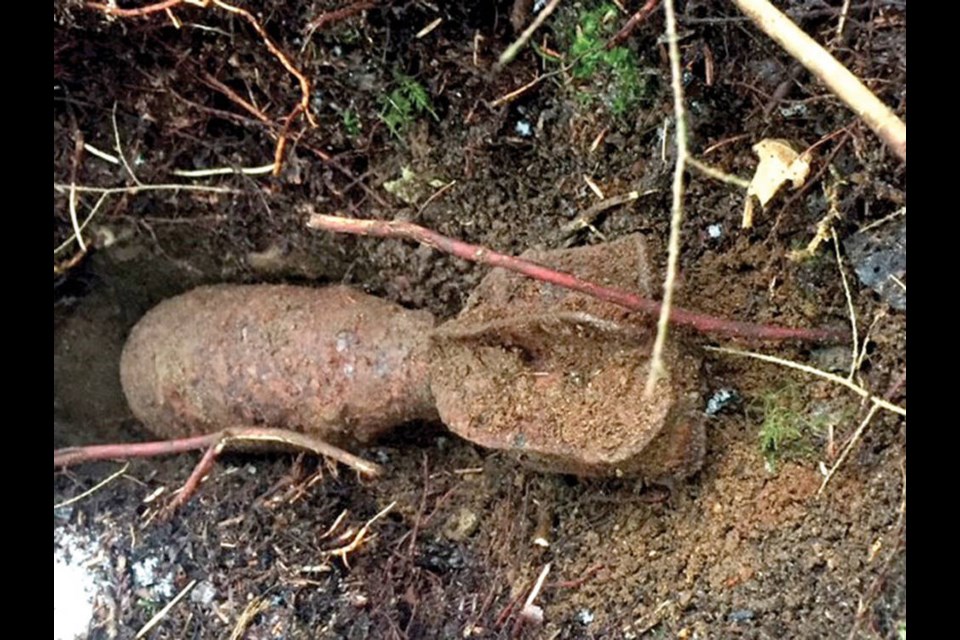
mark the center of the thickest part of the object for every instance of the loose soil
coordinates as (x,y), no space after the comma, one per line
(744,548)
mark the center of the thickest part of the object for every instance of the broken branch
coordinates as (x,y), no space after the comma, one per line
(818,61)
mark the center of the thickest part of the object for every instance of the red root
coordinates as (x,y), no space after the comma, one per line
(475,253)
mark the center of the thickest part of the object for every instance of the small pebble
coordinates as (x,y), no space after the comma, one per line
(461,525)
(721,399)
(585,616)
(203,593)
(715,231)
(741,615)
(523,129)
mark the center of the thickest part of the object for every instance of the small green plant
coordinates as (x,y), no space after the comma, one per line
(404,103)
(787,431)
(351,122)
(615,73)
(902,630)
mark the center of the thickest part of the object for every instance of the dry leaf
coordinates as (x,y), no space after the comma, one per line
(779,163)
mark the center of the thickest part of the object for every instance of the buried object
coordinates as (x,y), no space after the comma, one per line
(551,375)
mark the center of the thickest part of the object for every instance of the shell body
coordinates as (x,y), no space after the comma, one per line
(333,362)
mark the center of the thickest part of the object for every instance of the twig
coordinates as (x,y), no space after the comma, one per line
(224,171)
(573,584)
(511,52)
(529,611)
(475,253)
(78,147)
(334,16)
(436,194)
(878,116)
(144,187)
(427,29)
(76,232)
(844,11)
(360,535)
(103,155)
(847,449)
(94,488)
(588,217)
(642,14)
(854,360)
(716,174)
(236,98)
(160,615)
(513,95)
(849,384)
(254,608)
(119,146)
(136,11)
(676,209)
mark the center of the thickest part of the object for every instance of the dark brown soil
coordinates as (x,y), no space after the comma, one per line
(744,548)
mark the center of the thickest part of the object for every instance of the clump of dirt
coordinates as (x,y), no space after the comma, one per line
(738,549)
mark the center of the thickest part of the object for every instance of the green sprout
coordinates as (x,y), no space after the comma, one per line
(404,103)
(615,73)
(788,431)
(351,122)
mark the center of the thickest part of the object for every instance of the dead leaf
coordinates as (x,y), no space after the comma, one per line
(779,163)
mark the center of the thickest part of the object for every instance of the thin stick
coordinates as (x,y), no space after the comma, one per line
(529,612)
(716,174)
(843,18)
(224,171)
(119,146)
(236,98)
(516,93)
(847,449)
(274,437)
(196,476)
(137,11)
(135,189)
(333,16)
(359,537)
(76,233)
(878,116)
(249,613)
(849,384)
(642,14)
(676,209)
(854,360)
(163,612)
(475,253)
(74,171)
(94,488)
(103,155)
(511,52)
(588,217)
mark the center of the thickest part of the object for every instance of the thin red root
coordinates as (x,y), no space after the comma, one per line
(475,253)
(245,437)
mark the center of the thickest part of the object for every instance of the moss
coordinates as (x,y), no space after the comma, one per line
(611,76)
(788,430)
(404,104)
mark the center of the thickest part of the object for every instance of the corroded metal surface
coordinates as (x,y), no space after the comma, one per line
(558,377)
(333,362)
